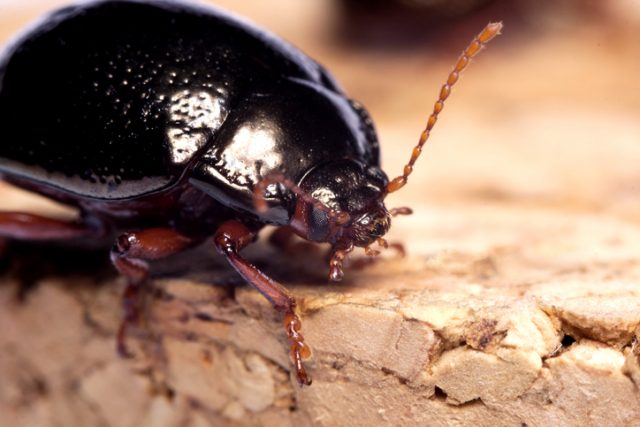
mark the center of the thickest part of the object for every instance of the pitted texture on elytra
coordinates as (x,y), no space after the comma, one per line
(114,99)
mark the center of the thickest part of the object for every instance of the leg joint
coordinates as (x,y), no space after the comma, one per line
(225,243)
(123,243)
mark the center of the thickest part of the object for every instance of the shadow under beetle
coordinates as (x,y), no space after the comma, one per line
(168,123)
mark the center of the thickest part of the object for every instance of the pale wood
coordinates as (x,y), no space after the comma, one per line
(382,342)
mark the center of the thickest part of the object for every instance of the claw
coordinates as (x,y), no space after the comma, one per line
(299,350)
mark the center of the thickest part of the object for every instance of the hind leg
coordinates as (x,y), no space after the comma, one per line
(26,226)
(36,228)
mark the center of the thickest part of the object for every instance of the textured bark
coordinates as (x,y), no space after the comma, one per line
(518,303)
(436,338)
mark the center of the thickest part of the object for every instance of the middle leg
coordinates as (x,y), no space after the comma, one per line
(129,255)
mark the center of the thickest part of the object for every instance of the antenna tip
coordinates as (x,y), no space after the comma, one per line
(493,28)
(490,31)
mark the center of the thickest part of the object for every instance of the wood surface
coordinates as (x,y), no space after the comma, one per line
(518,303)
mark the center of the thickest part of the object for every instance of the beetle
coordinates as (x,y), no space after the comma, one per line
(166,123)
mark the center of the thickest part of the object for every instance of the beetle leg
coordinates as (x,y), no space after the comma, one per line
(26,226)
(129,255)
(36,228)
(336,260)
(230,238)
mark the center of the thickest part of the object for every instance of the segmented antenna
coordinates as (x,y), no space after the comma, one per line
(476,45)
(260,202)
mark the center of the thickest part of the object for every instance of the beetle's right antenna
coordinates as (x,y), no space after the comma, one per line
(490,31)
(260,202)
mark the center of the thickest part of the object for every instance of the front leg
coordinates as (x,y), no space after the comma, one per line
(129,255)
(230,238)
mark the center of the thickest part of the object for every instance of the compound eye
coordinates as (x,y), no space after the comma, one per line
(318,225)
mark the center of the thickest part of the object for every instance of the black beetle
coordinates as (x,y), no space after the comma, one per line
(181,122)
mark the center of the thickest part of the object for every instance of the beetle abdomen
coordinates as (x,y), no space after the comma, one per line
(115,99)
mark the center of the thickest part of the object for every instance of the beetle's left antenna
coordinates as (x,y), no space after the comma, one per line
(490,31)
(260,202)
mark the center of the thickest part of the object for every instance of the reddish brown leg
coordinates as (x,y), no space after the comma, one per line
(128,255)
(336,259)
(30,227)
(25,226)
(230,238)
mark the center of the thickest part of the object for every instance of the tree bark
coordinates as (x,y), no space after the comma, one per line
(494,335)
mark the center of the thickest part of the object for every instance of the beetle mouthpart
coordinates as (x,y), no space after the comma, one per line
(489,32)
(371,226)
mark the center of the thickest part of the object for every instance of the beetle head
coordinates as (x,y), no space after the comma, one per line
(341,203)
(354,193)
